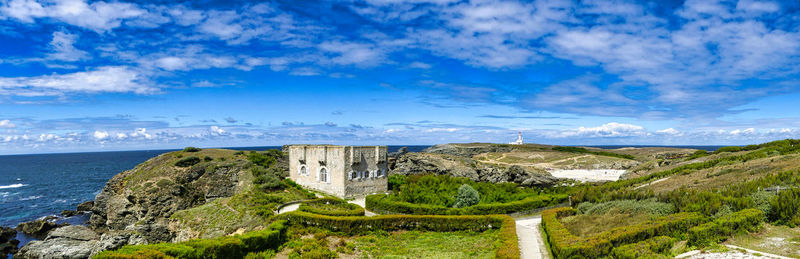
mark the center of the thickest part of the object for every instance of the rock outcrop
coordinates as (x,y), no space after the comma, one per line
(64,242)
(468,150)
(138,203)
(8,245)
(459,166)
(37,228)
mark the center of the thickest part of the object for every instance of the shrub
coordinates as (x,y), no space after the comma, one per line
(565,245)
(721,228)
(650,206)
(698,154)
(379,202)
(268,181)
(467,196)
(331,207)
(786,207)
(222,247)
(395,181)
(187,161)
(360,225)
(207,158)
(650,248)
(191,149)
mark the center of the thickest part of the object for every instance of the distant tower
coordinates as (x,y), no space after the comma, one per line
(519,139)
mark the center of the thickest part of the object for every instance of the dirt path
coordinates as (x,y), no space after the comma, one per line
(289,208)
(531,245)
(735,252)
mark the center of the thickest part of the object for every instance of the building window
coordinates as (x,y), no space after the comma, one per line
(379,172)
(353,175)
(323,175)
(303,170)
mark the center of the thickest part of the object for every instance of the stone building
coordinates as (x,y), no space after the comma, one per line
(343,171)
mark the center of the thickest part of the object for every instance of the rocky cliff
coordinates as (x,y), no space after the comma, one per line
(461,166)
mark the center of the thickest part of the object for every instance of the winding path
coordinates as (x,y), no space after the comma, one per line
(531,245)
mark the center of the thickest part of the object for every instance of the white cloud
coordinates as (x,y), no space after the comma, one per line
(612,129)
(98,16)
(100,135)
(7,124)
(670,131)
(748,131)
(100,80)
(64,49)
(217,131)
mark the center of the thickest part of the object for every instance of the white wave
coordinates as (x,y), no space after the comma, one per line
(16,185)
(31,198)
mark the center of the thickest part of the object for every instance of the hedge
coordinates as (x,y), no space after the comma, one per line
(222,247)
(380,202)
(348,209)
(723,227)
(650,248)
(509,247)
(565,245)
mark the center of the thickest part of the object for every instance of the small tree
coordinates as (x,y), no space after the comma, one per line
(467,196)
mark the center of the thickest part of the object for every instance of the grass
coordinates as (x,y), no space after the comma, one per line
(585,225)
(780,240)
(415,244)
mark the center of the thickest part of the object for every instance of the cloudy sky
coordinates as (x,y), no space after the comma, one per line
(121,75)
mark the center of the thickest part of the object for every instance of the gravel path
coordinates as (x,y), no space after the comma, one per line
(289,208)
(531,245)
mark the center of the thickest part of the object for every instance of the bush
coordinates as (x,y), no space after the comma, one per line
(331,207)
(565,245)
(379,202)
(222,247)
(187,161)
(467,196)
(650,248)
(650,206)
(698,154)
(361,225)
(268,182)
(786,207)
(207,158)
(191,149)
(723,227)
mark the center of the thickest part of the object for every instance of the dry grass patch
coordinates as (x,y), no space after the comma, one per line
(585,225)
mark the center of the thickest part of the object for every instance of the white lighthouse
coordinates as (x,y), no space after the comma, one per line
(519,139)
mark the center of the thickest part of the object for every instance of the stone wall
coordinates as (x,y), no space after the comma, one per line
(352,171)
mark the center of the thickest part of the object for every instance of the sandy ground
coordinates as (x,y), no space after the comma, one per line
(289,208)
(531,245)
(735,253)
(588,175)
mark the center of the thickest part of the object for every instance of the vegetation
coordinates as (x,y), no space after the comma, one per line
(223,247)
(331,207)
(467,196)
(508,247)
(724,226)
(566,245)
(187,161)
(191,149)
(586,151)
(786,207)
(650,248)
(457,244)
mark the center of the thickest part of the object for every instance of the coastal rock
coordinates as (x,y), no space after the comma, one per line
(443,164)
(86,206)
(8,245)
(63,242)
(142,200)
(37,228)
(467,150)
(69,213)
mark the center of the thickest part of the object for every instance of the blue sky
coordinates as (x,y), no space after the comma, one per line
(119,75)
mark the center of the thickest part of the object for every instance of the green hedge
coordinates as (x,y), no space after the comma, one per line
(346,209)
(222,247)
(723,227)
(379,202)
(509,247)
(565,245)
(650,248)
